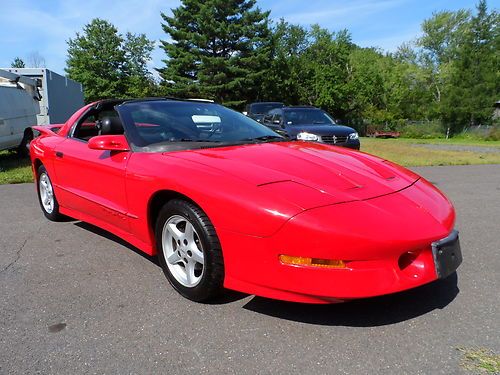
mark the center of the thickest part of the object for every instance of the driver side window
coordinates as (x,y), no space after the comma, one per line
(86,128)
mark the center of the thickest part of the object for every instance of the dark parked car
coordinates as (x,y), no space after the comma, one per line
(310,124)
(257,111)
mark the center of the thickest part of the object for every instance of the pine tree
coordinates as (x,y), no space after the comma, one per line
(473,77)
(218,50)
(18,63)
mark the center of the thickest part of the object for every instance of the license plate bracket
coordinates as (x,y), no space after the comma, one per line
(447,255)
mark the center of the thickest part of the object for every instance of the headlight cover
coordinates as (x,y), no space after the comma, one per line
(305,136)
(353,136)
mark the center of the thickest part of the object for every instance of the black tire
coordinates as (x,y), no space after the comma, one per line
(53,215)
(22,149)
(211,282)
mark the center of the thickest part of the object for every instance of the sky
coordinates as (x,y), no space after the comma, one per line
(44,26)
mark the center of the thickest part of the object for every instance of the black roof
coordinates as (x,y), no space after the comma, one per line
(266,103)
(301,107)
(106,102)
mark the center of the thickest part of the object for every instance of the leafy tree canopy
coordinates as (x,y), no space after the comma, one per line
(108,64)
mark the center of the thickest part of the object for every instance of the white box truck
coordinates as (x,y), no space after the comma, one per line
(34,96)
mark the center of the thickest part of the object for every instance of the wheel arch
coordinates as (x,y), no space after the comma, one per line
(36,164)
(28,130)
(157,201)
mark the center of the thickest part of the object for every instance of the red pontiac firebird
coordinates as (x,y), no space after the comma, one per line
(224,202)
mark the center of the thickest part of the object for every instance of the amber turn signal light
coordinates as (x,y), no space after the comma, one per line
(313,262)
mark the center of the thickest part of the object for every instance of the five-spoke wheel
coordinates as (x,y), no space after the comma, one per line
(183,251)
(46,195)
(189,250)
(46,192)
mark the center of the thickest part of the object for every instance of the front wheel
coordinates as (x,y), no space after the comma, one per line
(189,251)
(46,196)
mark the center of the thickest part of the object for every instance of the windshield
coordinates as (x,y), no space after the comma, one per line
(307,116)
(262,108)
(167,125)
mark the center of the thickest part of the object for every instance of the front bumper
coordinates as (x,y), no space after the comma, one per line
(349,143)
(386,242)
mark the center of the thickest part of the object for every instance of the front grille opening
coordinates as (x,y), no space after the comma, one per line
(332,139)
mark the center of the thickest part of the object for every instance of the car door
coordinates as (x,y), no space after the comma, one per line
(92,181)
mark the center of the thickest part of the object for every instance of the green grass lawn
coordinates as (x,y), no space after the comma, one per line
(410,152)
(13,169)
(442,141)
(407,152)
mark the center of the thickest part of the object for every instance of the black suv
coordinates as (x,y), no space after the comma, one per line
(310,124)
(257,111)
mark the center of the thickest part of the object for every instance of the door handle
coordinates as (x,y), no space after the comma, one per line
(59,154)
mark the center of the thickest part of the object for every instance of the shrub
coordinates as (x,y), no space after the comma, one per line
(422,130)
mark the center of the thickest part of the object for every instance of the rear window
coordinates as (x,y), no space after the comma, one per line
(307,116)
(262,108)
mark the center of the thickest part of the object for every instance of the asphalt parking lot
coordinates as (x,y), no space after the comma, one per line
(75,299)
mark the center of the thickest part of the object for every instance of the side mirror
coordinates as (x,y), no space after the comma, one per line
(109,142)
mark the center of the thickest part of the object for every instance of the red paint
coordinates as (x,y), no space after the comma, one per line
(294,198)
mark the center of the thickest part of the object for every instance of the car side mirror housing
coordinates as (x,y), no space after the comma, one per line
(109,142)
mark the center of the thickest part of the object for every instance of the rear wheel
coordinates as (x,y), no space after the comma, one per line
(46,196)
(23,148)
(189,251)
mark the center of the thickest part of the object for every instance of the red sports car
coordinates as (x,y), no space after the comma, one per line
(227,203)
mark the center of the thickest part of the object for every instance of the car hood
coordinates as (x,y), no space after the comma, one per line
(326,129)
(306,174)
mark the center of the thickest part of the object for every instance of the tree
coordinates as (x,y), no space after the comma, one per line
(35,60)
(459,53)
(474,79)
(137,49)
(325,72)
(108,65)
(281,76)
(218,50)
(96,59)
(18,63)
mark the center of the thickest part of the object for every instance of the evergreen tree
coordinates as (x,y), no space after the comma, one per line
(473,80)
(218,50)
(18,63)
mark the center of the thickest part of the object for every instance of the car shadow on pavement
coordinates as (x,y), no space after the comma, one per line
(227,297)
(370,312)
(114,238)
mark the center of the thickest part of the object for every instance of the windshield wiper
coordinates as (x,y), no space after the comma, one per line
(193,140)
(266,138)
